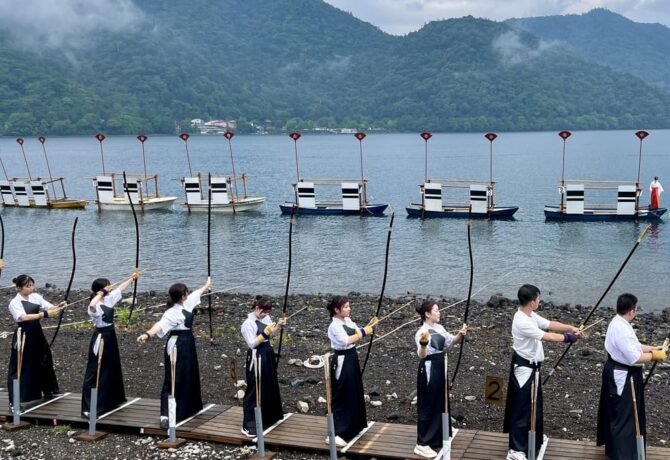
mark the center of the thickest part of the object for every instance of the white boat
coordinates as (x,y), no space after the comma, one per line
(30,192)
(112,195)
(224,199)
(141,189)
(225,196)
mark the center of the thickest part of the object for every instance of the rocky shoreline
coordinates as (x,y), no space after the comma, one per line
(571,396)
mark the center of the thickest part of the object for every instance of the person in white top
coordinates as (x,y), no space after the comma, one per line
(625,356)
(38,378)
(257,330)
(655,190)
(347,394)
(111,393)
(529,330)
(432,342)
(176,323)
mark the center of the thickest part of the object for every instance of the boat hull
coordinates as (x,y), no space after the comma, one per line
(56,204)
(244,205)
(499,212)
(151,204)
(334,210)
(609,214)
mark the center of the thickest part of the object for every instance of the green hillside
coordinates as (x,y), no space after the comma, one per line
(302,64)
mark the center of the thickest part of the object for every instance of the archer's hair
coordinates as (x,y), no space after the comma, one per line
(337,303)
(97,285)
(425,308)
(176,292)
(527,293)
(625,303)
(22,281)
(264,303)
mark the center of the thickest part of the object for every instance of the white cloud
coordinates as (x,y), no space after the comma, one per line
(65,23)
(404,16)
(513,51)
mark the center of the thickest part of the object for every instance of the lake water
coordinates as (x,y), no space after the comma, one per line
(570,262)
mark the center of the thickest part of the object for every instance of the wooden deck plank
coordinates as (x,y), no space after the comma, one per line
(222,423)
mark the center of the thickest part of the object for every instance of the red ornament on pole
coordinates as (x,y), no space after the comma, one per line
(295,136)
(42,139)
(491,136)
(641,134)
(360,136)
(20,140)
(426,135)
(142,138)
(229,135)
(100,137)
(565,134)
(184,136)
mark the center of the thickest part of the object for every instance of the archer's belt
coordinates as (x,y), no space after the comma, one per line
(523,362)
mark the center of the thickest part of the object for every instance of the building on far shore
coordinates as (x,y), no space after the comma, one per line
(214,126)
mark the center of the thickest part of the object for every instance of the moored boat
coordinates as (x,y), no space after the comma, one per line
(29,192)
(225,196)
(353,197)
(573,205)
(481,203)
(113,192)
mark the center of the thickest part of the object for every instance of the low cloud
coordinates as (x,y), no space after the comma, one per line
(513,50)
(67,24)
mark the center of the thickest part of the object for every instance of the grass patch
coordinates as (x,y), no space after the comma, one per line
(123,313)
(62,428)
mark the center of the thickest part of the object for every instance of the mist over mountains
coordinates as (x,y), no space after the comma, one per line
(151,65)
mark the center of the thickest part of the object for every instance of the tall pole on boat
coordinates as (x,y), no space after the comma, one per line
(229,135)
(425,136)
(3,169)
(20,142)
(295,136)
(142,138)
(101,137)
(360,136)
(491,137)
(640,135)
(184,137)
(563,135)
(42,140)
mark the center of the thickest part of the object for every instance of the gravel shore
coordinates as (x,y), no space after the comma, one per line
(571,396)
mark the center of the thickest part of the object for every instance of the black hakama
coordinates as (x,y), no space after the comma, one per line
(38,377)
(347,395)
(271,406)
(187,376)
(111,393)
(518,408)
(431,401)
(616,419)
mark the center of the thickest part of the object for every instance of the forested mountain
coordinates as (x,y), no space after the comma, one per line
(303,63)
(609,39)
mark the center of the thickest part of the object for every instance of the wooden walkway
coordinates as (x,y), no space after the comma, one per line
(219,423)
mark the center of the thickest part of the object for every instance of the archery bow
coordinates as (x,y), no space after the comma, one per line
(137,247)
(623,265)
(467,304)
(209,265)
(288,282)
(381,295)
(2,247)
(69,284)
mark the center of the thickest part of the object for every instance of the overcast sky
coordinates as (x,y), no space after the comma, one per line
(404,16)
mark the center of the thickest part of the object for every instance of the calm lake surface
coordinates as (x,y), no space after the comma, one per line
(570,262)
